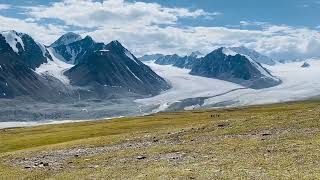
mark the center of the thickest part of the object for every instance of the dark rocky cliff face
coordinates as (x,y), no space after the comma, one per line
(238,69)
(116,66)
(73,53)
(17,77)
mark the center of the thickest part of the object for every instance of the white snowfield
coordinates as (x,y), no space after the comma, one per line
(297,84)
(184,86)
(55,68)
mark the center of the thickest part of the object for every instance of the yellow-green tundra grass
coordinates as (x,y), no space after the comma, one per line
(280,141)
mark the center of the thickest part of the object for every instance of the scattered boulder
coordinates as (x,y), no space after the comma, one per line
(266,134)
(222,125)
(45,164)
(215,115)
(141,157)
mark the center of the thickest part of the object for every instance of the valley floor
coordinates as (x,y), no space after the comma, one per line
(187,93)
(279,141)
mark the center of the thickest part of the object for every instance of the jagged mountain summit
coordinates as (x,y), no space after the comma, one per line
(74,51)
(66,39)
(228,65)
(71,65)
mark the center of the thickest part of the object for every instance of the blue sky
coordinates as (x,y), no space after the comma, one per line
(281,29)
(289,12)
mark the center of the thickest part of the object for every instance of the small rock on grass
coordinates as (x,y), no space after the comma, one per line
(141,157)
(46,164)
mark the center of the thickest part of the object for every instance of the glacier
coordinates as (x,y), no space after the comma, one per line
(297,84)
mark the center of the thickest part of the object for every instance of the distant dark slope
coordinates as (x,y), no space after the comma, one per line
(178,61)
(116,66)
(234,68)
(168,59)
(150,57)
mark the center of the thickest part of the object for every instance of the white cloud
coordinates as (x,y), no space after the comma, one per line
(4,6)
(252,23)
(87,13)
(277,41)
(42,33)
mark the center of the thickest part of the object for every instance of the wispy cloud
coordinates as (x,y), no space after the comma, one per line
(4,6)
(252,23)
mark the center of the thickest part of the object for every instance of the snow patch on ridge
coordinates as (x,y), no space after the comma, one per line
(73,54)
(133,73)
(127,53)
(55,68)
(43,49)
(13,38)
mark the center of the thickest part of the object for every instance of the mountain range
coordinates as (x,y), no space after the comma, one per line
(235,64)
(74,67)
(71,65)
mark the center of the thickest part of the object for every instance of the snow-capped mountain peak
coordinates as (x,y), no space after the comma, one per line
(232,52)
(253,55)
(229,52)
(66,39)
(13,38)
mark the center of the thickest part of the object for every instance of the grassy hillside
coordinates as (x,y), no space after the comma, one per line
(279,141)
